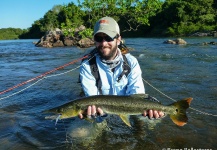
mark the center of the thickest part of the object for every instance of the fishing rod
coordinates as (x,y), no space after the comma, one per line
(44,74)
(122,47)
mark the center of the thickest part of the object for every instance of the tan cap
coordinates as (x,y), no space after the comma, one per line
(108,26)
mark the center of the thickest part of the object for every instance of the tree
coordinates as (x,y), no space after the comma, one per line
(10,33)
(169,17)
(71,15)
(132,13)
(181,17)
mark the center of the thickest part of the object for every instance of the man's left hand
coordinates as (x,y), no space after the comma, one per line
(153,114)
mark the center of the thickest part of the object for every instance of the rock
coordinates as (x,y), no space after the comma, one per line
(50,39)
(69,41)
(205,43)
(56,38)
(58,44)
(46,44)
(215,34)
(212,43)
(85,43)
(81,28)
(204,34)
(178,41)
(209,43)
(169,42)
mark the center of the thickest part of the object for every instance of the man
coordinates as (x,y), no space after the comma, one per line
(110,63)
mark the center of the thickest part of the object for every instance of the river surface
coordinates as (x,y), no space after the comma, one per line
(179,71)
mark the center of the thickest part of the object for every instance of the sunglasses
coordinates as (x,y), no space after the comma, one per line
(106,38)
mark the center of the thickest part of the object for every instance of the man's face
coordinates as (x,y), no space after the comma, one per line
(107,47)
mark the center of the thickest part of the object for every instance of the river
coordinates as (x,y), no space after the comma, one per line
(178,71)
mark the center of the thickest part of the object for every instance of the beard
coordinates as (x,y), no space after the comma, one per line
(110,55)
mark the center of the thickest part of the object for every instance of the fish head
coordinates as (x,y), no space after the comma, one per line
(65,112)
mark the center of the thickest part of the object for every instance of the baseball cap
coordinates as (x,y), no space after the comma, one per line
(108,26)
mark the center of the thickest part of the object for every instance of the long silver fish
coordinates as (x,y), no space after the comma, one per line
(124,106)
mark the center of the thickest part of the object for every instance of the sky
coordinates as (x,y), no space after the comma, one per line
(23,13)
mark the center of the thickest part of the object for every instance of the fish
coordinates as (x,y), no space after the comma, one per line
(123,106)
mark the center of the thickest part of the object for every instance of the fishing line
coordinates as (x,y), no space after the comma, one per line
(158,90)
(21,89)
(201,112)
(43,75)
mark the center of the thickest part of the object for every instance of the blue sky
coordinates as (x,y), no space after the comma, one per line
(23,13)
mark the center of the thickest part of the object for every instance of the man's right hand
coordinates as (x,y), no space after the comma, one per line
(92,111)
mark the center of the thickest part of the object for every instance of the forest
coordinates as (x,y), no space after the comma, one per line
(136,18)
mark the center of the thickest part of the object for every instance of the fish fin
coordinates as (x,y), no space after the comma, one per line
(88,118)
(125,119)
(179,117)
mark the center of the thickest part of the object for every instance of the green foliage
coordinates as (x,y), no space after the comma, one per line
(86,33)
(71,15)
(10,33)
(135,17)
(132,13)
(67,30)
(182,17)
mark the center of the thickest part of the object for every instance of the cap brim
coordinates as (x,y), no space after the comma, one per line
(109,33)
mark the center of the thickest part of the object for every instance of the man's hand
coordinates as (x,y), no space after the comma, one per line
(92,111)
(153,114)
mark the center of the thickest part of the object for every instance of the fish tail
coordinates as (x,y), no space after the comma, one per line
(179,117)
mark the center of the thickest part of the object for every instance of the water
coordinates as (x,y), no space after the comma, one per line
(179,71)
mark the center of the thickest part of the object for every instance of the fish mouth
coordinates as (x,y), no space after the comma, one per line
(51,114)
(53,117)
